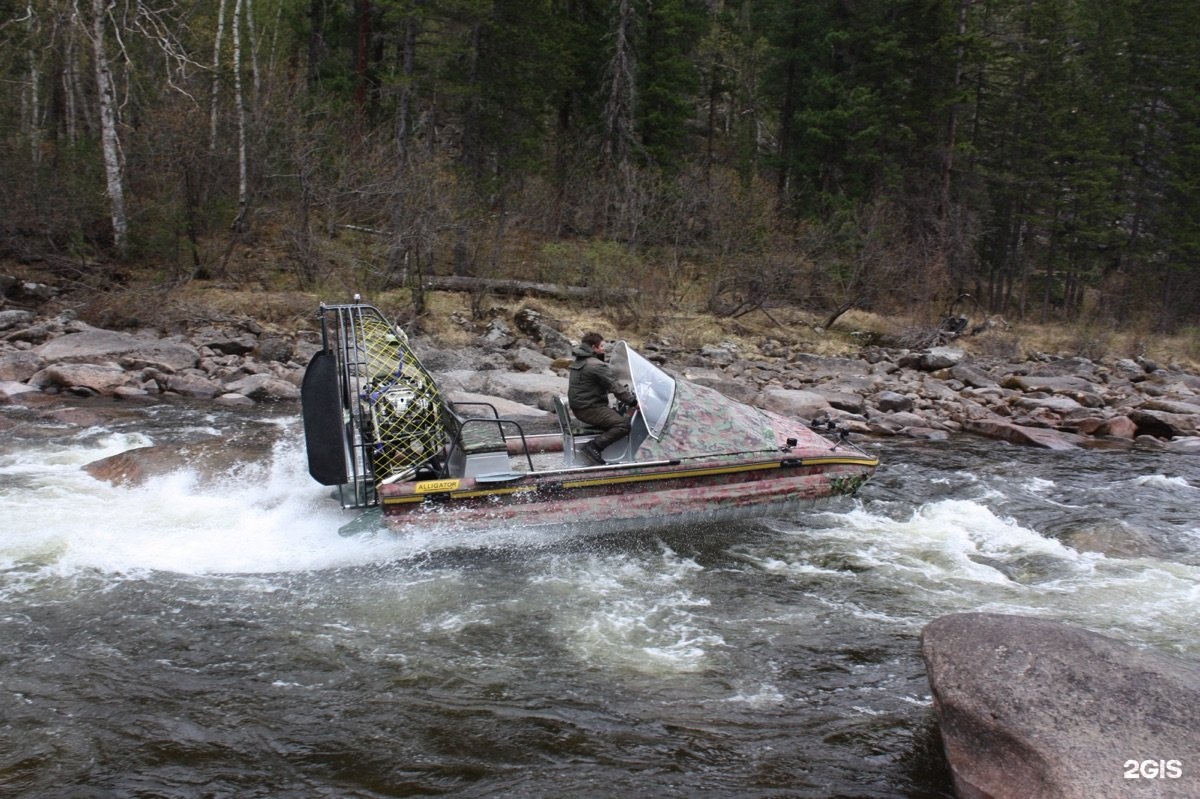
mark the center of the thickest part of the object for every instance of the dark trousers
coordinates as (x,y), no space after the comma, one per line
(614,425)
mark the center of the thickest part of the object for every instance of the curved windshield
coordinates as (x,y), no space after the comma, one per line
(654,388)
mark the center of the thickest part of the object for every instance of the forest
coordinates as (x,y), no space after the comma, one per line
(1040,156)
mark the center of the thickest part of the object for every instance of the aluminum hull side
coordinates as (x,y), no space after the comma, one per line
(627,498)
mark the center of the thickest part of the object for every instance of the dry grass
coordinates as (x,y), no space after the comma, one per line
(145,298)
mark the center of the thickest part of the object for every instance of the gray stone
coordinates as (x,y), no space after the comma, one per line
(843,401)
(225,340)
(191,385)
(792,403)
(1059,405)
(20,365)
(1171,406)
(264,387)
(234,398)
(524,359)
(1164,425)
(83,378)
(474,405)
(1065,367)
(1050,385)
(527,388)
(14,317)
(1042,710)
(1188,444)
(971,376)
(97,346)
(10,390)
(499,334)
(274,348)
(941,358)
(716,379)
(1019,434)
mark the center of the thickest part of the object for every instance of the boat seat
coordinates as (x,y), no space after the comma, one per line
(571,429)
(479,446)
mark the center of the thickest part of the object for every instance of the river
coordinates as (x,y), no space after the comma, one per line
(219,638)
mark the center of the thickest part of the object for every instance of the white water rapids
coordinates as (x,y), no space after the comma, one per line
(206,630)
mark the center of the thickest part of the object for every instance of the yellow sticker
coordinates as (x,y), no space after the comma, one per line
(431,486)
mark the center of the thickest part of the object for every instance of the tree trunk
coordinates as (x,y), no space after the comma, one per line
(109,137)
(240,109)
(216,76)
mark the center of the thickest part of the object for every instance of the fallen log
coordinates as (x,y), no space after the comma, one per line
(521,288)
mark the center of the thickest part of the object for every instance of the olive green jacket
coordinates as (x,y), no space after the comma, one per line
(591,380)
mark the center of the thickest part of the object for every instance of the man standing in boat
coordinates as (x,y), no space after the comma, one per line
(590,382)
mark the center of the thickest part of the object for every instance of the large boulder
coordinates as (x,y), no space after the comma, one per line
(1037,709)
(482,405)
(20,365)
(15,318)
(792,403)
(1162,424)
(82,378)
(1052,384)
(941,358)
(264,387)
(528,388)
(99,346)
(1019,434)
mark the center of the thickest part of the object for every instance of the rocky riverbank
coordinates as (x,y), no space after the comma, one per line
(1045,401)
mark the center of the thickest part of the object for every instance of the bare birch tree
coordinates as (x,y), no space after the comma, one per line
(216,75)
(114,167)
(239,105)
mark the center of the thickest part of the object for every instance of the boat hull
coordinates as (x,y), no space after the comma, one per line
(625,498)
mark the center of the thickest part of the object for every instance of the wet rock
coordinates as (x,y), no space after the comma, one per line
(209,460)
(1020,434)
(925,433)
(11,390)
(264,387)
(1119,427)
(1164,425)
(82,378)
(1189,444)
(234,399)
(1035,708)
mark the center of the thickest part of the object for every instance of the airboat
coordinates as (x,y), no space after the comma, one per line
(380,431)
